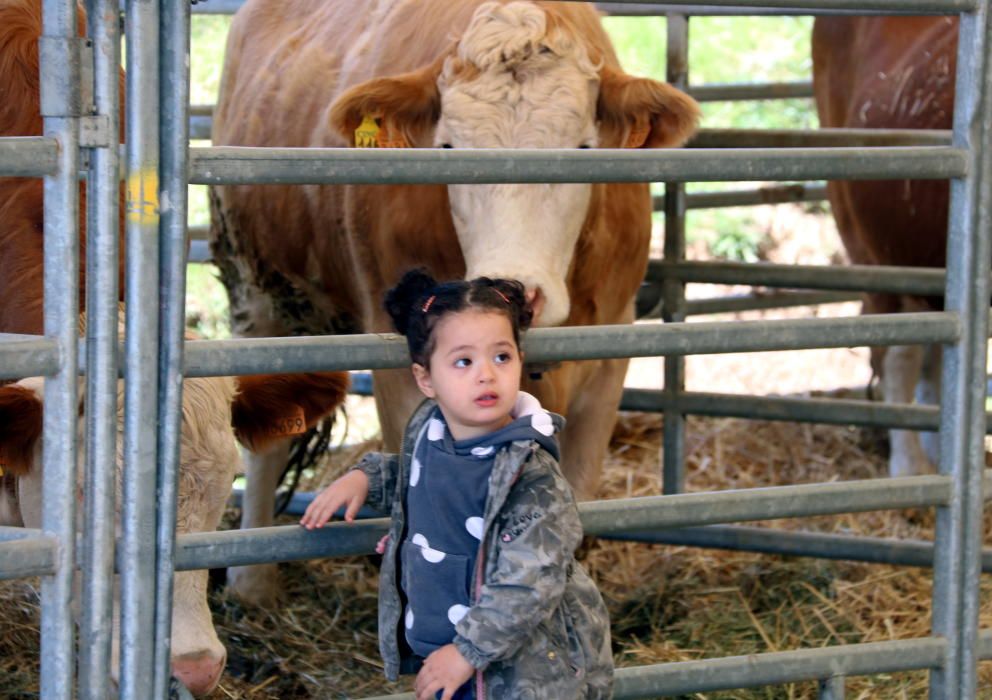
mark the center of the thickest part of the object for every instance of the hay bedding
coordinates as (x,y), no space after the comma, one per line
(667,603)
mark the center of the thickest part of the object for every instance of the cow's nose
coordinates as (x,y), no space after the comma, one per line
(535,299)
(199,671)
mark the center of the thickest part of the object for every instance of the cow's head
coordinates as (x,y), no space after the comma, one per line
(258,409)
(521,76)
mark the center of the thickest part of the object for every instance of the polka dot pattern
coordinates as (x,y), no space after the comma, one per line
(432,555)
(456,613)
(415,468)
(474,526)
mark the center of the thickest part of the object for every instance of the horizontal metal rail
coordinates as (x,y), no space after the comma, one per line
(389,351)
(777,194)
(739,92)
(808,410)
(765,300)
(917,6)
(874,550)
(290,542)
(236,165)
(923,281)
(28,356)
(33,554)
(818,138)
(28,156)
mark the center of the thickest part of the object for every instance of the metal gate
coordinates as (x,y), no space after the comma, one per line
(80,129)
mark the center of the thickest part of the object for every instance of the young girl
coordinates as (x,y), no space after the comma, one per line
(479,578)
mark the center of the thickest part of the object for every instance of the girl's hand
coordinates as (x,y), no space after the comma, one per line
(350,490)
(445,669)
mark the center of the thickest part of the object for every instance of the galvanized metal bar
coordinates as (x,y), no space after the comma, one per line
(955,594)
(807,410)
(818,138)
(736,92)
(28,556)
(673,289)
(58,49)
(627,515)
(388,351)
(28,356)
(832,688)
(775,668)
(875,550)
(765,300)
(28,156)
(9,534)
(137,547)
(242,165)
(855,278)
(917,6)
(959,525)
(778,194)
(173,125)
(102,293)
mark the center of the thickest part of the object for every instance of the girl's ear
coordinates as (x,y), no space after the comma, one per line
(423,378)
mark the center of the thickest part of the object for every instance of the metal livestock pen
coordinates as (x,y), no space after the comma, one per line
(157,164)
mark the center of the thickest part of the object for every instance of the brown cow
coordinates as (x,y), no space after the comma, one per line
(892,73)
(213,409)
(431,74)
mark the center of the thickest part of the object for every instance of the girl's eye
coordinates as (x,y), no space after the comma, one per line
(503,358)
(462,362)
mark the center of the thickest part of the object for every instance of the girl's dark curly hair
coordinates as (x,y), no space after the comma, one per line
(418,302)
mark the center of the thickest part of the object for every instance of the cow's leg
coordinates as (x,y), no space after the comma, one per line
(592,414)
(928,393)
(198,657)
(396,398)
(901,371)
(259,584)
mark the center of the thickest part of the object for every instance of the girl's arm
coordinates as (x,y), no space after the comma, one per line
(538,531)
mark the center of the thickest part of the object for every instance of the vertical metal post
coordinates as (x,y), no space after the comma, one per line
(137,554)
(174,125)
(957,565)
(59,68)
(673,290)
(102,289)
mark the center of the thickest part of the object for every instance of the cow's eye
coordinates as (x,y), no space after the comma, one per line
(585,145)
(446,145)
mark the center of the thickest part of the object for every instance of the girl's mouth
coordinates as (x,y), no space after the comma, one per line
(486,400)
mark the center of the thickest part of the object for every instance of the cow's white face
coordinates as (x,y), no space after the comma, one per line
(209,458)
(511,84)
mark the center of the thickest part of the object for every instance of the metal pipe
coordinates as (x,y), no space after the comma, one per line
(28,356)
(243,165)
(962,429)
(832,688)
(137,547)
(818,138)
(739,92)
(778,194)
(59,68)
(757,301)
(389,351)
(29,556)
(856,278)
(673,289)
(102,293)
(28,156)
(174,120)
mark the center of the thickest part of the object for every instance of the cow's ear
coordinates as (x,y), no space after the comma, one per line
(20,428)
(269,407)
(399,111)
(642,113)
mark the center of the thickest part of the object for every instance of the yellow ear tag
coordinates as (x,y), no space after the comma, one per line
(1,470)
(638,135)
(293,423)
(367,133)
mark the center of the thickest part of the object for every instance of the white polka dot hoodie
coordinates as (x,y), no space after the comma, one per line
(482,541)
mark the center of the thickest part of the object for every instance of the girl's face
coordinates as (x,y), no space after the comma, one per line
(474,372)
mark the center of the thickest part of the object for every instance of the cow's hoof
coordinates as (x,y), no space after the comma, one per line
(255,585)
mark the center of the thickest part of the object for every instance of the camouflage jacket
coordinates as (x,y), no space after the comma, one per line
(538,628)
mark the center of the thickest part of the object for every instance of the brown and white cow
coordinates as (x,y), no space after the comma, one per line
(214,410)
(892,73)
(437,74)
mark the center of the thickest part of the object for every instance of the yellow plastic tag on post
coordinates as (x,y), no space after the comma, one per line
(367,133)
(294,423)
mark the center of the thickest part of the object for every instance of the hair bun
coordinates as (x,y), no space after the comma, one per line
(402,300)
